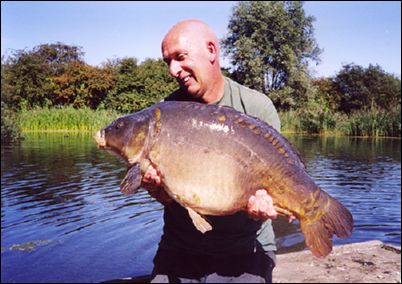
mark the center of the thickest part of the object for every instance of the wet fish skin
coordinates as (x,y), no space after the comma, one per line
(212,159)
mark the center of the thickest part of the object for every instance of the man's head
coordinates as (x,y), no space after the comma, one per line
(191,50)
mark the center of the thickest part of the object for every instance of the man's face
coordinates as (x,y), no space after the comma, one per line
(188,59)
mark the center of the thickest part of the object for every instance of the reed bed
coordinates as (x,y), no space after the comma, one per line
(373,122)
(65,119)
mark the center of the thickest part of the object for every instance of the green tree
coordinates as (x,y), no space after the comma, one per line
(139,86)
(58,56)
(328,93)
(270,44)
(82,85)
(367,88)
(28,74)
(10,130)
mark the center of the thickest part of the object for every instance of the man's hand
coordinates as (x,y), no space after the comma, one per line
(152,182)
(151,177)
(261,207)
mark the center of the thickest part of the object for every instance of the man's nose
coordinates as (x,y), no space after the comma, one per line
(174,68)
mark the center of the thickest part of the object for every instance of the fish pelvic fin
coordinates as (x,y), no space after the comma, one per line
(199,222)
(132,180)
(318,231)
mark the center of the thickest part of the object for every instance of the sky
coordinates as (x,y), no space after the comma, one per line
(359,32)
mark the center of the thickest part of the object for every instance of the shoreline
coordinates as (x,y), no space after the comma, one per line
(284,133)
(365,262)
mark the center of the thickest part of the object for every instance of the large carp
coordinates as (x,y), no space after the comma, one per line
(211,159)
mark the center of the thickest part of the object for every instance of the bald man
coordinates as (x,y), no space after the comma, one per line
(238,249)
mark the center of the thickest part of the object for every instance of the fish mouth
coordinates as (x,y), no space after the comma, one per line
(100,138)
(101,143)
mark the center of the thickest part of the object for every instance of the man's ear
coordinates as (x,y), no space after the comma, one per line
(213,51)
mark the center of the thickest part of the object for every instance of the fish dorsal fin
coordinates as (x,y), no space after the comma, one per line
(273,136)
(296,152)
(132,181)
(282,145)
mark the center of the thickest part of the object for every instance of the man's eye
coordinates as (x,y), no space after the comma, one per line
(181,56)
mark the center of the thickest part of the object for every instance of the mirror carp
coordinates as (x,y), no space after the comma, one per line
(211,159)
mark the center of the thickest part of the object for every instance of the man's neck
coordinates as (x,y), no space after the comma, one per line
(216,91)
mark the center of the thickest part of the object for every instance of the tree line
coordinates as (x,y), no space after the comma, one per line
(270,45)
(54,75)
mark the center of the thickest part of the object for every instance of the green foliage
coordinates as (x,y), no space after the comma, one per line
(358,101)
(55,75)
(139,86)
(28,74)
(314,117)
(366,88)
(226,72)
(10,130)
(41,89)
(65,118)
(270,44)
(376,122)
(288,122)
(82,85)
(328,93)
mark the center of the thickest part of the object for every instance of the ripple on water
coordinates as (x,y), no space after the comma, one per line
(64,189)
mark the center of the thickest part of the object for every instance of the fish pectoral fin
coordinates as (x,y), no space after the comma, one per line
(199,222)
(132,180)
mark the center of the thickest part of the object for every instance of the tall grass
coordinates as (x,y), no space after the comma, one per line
(290,122)
(65,119)
(374,122)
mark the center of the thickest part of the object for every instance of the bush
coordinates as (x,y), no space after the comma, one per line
(10,130)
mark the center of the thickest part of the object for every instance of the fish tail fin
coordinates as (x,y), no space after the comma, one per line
(319,229)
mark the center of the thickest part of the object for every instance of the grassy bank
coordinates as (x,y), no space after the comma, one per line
(362,123)
(374,122)
(65,119)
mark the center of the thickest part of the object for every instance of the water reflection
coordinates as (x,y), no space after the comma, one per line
(365,175)
(60,195)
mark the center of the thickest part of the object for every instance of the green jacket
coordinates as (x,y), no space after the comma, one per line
(250,102)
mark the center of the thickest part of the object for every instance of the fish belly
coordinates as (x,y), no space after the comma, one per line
(206,180)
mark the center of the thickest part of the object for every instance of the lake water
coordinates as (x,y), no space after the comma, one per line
(63,218)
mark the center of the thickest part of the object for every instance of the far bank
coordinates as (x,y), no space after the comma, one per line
(373,123)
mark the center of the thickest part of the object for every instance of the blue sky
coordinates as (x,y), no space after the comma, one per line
(348,31)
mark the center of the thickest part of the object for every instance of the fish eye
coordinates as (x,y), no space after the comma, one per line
(119,124)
